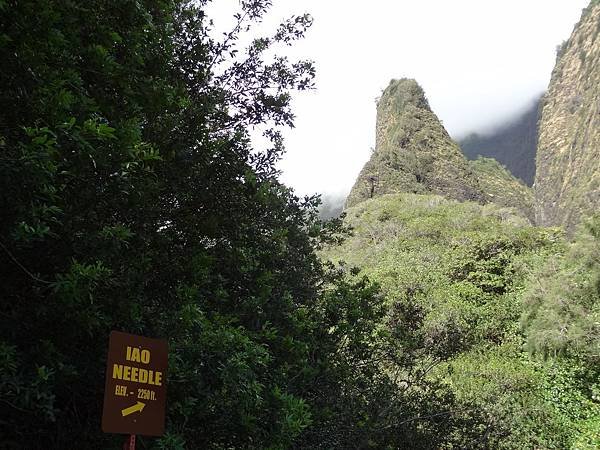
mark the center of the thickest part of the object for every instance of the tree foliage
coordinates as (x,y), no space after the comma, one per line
(133,200)
(457,277)
(563,305)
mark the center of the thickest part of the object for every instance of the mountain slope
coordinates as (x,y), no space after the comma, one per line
(413,151)
(501,187)
(567,182)
(454,274)
(513,144)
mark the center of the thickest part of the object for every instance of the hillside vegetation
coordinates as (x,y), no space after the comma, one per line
(501,187)
(567,180)
(461,283)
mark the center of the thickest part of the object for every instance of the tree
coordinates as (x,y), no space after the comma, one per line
(563,307)
(132,199)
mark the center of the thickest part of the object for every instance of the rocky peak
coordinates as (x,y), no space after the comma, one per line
(413,151)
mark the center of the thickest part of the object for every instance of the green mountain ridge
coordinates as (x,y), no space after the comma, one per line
(415,154)
(512,144)
(492,287)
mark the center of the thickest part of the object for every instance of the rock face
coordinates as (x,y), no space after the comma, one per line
(567,181)
(413,151)
(512,144)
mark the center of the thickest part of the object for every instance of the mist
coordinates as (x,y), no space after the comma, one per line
(502,123)
(480,63)
(332,205)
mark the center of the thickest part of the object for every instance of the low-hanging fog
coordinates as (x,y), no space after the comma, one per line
(479,62)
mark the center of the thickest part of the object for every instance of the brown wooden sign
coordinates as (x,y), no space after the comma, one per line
(135,394)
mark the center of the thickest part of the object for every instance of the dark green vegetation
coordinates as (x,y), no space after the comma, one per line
(132,200)
(563,309)
(512,144)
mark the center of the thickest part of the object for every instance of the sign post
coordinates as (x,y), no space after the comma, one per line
(135,394)
(129,443)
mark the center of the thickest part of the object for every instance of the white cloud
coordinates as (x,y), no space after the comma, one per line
(479,61)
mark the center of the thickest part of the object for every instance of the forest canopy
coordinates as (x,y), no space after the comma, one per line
(133,200)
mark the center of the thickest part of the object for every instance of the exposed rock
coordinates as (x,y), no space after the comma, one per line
(413,151)
(567,182)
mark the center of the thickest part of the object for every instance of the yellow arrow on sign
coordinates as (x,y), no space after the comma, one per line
(138,407)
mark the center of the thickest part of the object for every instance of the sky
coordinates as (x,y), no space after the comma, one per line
(480,62)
